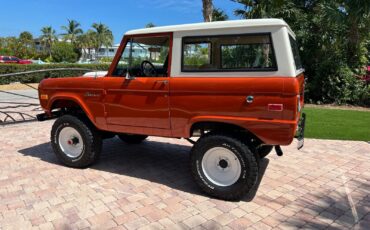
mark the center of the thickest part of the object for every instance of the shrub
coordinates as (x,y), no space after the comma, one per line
(63,52)
(339,86)
(106,60)
(37,77)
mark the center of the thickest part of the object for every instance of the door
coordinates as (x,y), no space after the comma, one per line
(137,88)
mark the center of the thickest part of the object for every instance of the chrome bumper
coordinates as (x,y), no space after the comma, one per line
(300,131)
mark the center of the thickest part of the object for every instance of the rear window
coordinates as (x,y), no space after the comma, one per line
(247,52)
(295,50)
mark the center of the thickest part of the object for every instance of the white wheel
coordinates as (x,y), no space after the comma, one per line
(221,166)
(75,142)
(71,142)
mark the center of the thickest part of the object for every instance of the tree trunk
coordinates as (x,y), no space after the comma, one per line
(207,10)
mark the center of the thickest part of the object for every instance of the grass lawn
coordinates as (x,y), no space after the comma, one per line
(337,124)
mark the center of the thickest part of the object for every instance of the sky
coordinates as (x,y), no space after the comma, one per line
(17,16)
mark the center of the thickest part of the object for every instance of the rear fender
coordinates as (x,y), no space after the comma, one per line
(272,132)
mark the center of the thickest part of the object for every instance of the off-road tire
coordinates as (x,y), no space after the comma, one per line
(132,138)
(92,142)
(248,163)
(264,150)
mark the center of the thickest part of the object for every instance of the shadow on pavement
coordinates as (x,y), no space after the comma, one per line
(347,210)
(158,162)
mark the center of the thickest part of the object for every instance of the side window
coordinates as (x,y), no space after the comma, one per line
(144,57)
(295,50)
(248,52)
(197,55)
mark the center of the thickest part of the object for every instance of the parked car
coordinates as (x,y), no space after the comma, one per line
(237,86)
(13,60)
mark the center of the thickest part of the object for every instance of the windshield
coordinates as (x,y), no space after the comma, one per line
(295,50)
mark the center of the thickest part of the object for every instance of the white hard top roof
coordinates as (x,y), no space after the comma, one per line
(271,22)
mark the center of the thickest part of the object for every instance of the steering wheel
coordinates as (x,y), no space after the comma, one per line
(148,69)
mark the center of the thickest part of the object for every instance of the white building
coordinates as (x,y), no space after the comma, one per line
(105,51)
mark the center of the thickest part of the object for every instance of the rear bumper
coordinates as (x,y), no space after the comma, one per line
(300,131)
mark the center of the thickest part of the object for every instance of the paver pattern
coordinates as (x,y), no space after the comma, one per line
(149,186)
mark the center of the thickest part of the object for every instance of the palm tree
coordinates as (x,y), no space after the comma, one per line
(149,25)
(354,16)
(257,8)
(86,42)
(48,37)
(103,36)
(207,10)
(219,15)
(72,31)
(26,38)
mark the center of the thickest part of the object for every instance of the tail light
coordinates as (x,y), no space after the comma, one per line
(275,107)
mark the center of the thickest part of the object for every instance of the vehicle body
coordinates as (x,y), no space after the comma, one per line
(237,81)
(13,60)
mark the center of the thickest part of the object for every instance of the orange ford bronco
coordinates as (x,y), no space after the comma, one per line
(237,85)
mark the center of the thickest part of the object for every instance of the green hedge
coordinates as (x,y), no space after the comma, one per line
(37,77)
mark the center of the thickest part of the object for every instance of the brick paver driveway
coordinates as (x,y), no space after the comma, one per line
(149,185)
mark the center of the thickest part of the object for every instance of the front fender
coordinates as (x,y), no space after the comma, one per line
(70,97)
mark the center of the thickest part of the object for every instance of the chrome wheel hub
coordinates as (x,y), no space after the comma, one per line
(70,142)
(221,166)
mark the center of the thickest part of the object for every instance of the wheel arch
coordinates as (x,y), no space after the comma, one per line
(59,102)
(222,126)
